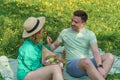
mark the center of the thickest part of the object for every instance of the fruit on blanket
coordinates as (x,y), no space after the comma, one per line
(51,60)
(47,62)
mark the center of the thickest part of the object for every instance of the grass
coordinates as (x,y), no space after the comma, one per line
(104,20)
(113,77)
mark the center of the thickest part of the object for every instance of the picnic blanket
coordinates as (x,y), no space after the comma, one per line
(8,70)
(115,68)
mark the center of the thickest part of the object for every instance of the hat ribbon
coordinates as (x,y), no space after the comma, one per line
(34,27)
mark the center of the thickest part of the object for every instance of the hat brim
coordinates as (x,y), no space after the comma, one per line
(41,24)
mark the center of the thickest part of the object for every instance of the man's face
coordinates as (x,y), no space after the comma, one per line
(76,23)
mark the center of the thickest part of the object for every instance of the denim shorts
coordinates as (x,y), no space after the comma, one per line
(73,69)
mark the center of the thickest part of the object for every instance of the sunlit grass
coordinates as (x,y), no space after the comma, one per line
(104,20)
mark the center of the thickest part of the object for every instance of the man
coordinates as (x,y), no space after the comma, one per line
(77,42)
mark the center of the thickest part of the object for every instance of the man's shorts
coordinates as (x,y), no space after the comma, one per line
(73,69)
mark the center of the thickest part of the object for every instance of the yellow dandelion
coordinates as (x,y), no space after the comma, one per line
(27,6)
(50,4)
(17,5)
(46,3)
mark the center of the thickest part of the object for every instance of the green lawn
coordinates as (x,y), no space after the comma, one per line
(104,20)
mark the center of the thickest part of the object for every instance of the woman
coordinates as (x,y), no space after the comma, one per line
(30,65)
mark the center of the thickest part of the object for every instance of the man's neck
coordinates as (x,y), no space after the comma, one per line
(79,29)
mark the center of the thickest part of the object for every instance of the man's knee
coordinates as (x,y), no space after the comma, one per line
(110,56)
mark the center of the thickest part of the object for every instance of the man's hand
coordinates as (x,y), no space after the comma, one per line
(52,45)
(102,71)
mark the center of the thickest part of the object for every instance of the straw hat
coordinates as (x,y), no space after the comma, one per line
(32,25)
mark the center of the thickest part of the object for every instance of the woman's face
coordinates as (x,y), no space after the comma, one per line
(39,35)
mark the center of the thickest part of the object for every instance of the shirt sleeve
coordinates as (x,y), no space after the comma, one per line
(60,37)
(93,38)
(30,59)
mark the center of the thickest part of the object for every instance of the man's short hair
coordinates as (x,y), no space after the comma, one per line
(82,14)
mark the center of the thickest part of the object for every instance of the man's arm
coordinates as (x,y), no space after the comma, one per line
(98,59)
(96,53)
(53,45)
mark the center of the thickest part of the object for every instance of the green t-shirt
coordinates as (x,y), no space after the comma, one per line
(76,44)
(29,58)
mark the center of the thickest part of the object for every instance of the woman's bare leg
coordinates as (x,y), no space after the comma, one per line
(52,72)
